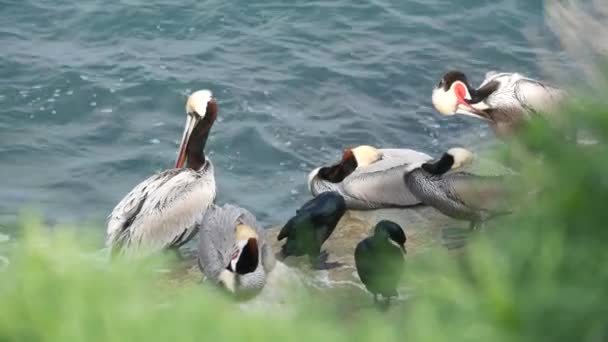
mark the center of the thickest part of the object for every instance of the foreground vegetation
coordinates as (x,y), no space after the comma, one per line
(540,275)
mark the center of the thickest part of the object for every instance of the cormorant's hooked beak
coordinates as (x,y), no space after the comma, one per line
(191,121)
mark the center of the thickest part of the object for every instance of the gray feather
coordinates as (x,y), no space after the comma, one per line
(217,240)
(379,185)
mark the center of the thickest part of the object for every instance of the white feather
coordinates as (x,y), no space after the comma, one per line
(160,210)
(378,185)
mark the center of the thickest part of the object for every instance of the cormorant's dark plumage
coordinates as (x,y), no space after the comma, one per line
(379,259)
(312,225)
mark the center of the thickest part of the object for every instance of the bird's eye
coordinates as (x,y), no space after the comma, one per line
(440,84)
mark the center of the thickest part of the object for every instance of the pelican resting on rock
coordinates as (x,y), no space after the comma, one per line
(233,251)
(369,178)
(459,193)
(312,225)
(379,259)
(163,211)
(505,100)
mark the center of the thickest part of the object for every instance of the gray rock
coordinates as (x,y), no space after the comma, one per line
(423,227)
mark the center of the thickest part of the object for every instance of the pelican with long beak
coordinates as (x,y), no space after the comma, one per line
(447,185)
(164,210)
(233,252)
(369,178)
(505,100)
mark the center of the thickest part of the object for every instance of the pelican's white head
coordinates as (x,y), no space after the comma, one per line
(453,94)
(461,156)
(366,155)
(198,101)
(452,159)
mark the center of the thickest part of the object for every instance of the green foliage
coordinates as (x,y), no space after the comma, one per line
(541,274)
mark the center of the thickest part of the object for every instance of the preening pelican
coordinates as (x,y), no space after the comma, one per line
(163,211)
(369,178)
(458,193)
(233,251)
(505,100)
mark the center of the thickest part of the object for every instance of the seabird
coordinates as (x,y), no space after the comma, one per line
(379,259)
(233,252)
(163,211)
(312,225)
(369,178)
(449,187)
(505,100)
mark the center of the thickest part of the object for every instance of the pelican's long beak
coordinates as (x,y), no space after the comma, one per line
(465,108)
(191,121)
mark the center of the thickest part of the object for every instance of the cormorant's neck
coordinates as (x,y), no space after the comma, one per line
(198,140)
(338,172)
(441,166)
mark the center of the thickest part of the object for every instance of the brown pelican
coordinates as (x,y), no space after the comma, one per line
(163,211)
(369,178)
(312,225)
(505,100)
(380,260)
(233,252)
(458,193)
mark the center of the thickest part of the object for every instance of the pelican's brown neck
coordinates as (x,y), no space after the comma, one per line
(195,150)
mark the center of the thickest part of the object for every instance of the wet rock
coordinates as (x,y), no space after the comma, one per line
(423,227)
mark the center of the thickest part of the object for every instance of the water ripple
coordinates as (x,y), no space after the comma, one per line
(92,94)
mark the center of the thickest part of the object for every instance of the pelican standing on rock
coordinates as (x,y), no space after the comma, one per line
(233,252)
(312,225)
(505,100)
(369,178)
(458,193)
(163,211)
(380,260)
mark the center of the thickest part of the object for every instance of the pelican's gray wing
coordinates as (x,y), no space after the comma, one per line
(538,97)
(381,184)
(160,212)
(484,165)
(484,193)
(494,75)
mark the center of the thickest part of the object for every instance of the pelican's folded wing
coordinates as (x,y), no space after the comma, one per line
(160,211)
(488,193)
(538,97)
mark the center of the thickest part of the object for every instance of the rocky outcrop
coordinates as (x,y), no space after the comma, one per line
(423,227)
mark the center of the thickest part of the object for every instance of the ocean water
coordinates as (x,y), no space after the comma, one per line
(92,93)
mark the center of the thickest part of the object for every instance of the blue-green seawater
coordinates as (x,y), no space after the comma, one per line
(92,93)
